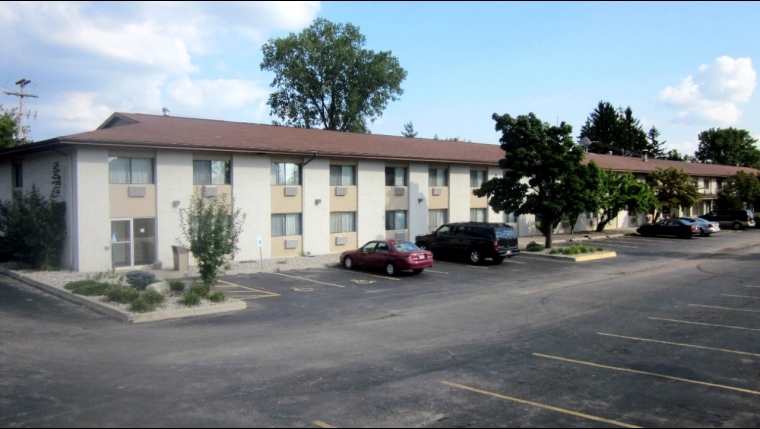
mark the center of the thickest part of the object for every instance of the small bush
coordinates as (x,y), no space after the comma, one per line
(153,297)
(599,249)
(584,249)
(199,289)
(140,279)
(140,305)
(217,297)
(534,247)
(122,295)
(176,286)
(88,288)
(190,300)
(554,252)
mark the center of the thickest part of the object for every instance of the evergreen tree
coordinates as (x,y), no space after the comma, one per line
(409,130)
(655,147)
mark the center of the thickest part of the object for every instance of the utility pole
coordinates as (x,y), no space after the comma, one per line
(20,135)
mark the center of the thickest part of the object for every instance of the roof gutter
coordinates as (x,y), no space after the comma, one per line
(310,159)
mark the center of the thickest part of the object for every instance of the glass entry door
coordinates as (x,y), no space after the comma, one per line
(133,242)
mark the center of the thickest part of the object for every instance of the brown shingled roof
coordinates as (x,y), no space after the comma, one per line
(637,165)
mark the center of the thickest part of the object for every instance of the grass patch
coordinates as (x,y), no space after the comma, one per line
(152,297)
(122,295)
(176,286)
(217,297)
(534,247)
(88,288)
(140,305)
(575,249)
(199,289)
(190,300)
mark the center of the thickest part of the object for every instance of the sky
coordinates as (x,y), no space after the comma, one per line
(682,67)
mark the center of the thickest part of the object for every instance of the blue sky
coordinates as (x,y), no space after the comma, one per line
(683,67)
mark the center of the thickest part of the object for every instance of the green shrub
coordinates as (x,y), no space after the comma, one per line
(140,305)
(122,295)
(199,289)
(583,249)
(153,297)
(176,286)
(534,247)
(599,249)
(190,300)
(217,297)
(88,288)
(140,279)
(554,252)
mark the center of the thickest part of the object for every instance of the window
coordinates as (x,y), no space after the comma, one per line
(437,218)
(395,176)
(130,170)
(285,173)
(342,175)
(211,172)
(18,176)
(477,215)
(706,184)
(284,225)
(342,222)
(395,219)
(477,178)
(510,218)
(438,177)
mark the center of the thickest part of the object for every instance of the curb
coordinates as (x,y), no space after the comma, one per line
(121,315)
(574,258)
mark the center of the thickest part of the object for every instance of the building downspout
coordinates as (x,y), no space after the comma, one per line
(70,210)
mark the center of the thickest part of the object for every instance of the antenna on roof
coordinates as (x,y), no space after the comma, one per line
(166,111)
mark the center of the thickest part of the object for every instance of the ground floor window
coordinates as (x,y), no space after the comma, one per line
(633,219)
(133,242)
(342,222)
(510,218)
(395,219)
(437,218)
(477,215)
(285,225)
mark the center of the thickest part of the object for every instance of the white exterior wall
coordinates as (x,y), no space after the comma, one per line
(174,182)
(418,188)
(92,222)
(370,221)
(251,190)
(459,193)
(492,215)
(316,217)
(6,180)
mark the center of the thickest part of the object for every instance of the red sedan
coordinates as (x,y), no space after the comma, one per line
(393,255)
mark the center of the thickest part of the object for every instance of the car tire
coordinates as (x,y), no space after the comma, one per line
(498,259)
(475,257)
(348,263)
(736,226)
(390,269)
(418,270)
(423,246)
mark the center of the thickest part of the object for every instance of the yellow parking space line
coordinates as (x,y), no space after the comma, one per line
(724,308)
(249,288)
(254,297)
(322,424)
(653,374)
(705,324)
(740,296)
(308,280)
(364,274)
(538,405)
(620,245)
(751,286)
(679,344)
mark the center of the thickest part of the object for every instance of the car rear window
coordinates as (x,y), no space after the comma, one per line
(405,246)
(750,214)
(504,232)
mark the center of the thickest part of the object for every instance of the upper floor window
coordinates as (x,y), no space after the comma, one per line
(438,177)
(285,173)
(130,170)
(18,176)
(395,176)
(342,175)
(706,184)
(211,172)
(477,178)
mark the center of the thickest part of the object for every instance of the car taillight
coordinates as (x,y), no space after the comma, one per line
(495,245)
(693,228)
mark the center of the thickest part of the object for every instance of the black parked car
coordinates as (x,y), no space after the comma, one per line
(732,218)
(674,227)
(476,240)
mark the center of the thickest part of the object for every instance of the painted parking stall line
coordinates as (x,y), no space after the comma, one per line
(539,405)
(694,346)
(307,279)
(724,308)
(249,290)
(687,322)
(359,273)
(740,296)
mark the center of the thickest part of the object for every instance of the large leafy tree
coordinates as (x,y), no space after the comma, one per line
(8,124)
(617,131)
(618,192)
(673,188)
(728,146)
(325,78)
(740,190)
(543,171)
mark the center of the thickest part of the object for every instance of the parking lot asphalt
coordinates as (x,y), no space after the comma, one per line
(663,335)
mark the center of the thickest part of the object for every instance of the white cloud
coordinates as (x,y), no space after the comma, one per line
(712,96)
(215,97)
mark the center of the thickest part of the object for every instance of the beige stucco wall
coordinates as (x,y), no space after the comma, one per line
(396,202)
(345,203)
(92,220)
(439,201)
(391,235)
(351,242)
(221,190)
(477,202)
(124,206)
(281,204)
(279,250)
(459,189)
(492,215)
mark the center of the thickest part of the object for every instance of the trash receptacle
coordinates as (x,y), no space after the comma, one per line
(180,258)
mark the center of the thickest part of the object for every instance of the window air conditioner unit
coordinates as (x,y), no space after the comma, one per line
(341,241)
(291,244)
(400,192)
(137,191)
(341,191)
(400,236)
(291,191)
(436,192)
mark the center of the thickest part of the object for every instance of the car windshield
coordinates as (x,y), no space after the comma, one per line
(750,214)
(405,246)
(504,232)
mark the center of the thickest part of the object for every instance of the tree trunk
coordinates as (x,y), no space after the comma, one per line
(548,242)
(601,225)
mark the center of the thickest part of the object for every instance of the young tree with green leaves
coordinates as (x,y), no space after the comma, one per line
(211,228)
(740,191)
(409,131)
(8,128)
(325,78)
(728,146)
(673,188)
(543,171)
(618,192)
